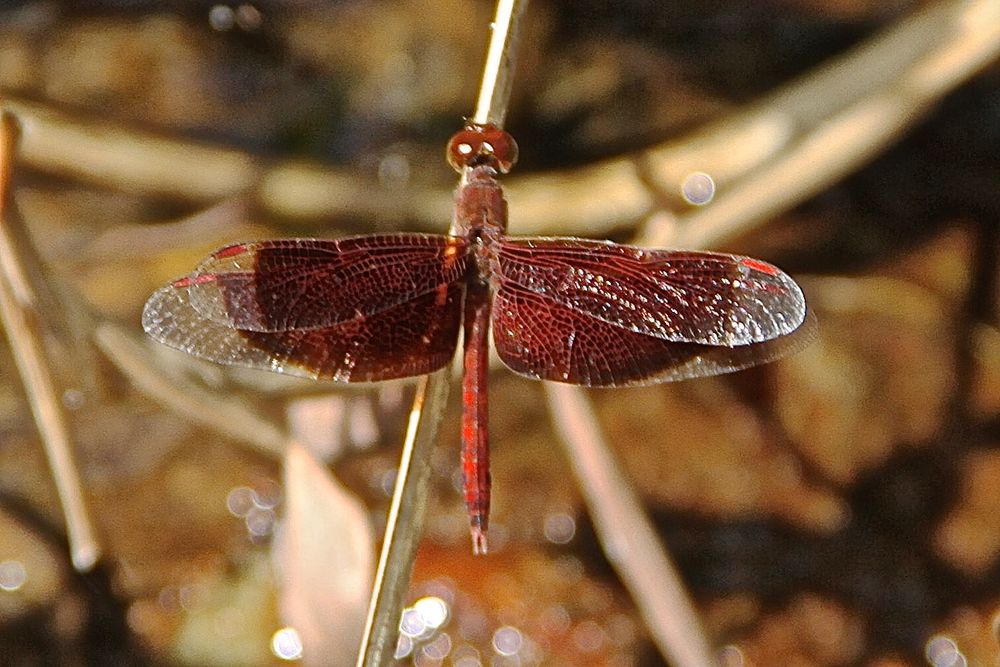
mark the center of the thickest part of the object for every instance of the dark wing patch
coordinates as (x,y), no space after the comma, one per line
(295,284)
(411,338)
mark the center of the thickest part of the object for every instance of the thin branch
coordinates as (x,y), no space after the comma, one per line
(406,513)
(627,537)
(498,72)
(21,321)
(404,525)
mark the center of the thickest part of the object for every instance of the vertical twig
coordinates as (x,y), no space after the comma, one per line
(404,524)
(406,511)
(21,323)
(498,73)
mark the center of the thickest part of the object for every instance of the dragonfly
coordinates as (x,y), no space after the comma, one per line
(384,306)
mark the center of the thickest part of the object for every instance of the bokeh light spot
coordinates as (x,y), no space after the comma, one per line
(507,640)
(942,651)
(589,637)
(240,500)
(433,610)
(412,623)
(286,644)
(559,528)
(394,171)
(12,575)
(439,647)
(698,188)
(221,18)
(731,656)
(260,522)
(404,646)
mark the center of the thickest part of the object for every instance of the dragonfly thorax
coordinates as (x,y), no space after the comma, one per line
(480,207)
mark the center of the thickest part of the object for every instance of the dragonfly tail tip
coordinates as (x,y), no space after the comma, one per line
(479,546)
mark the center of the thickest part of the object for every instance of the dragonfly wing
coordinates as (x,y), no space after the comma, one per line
(412,338)
(675,295)
(294,284)
(543,339)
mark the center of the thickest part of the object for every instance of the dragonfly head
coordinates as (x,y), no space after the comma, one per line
(476,145)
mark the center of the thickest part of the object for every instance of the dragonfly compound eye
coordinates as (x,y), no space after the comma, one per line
(482,144)
(502,146)
(464,146)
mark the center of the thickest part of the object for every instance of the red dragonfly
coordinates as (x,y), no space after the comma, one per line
(383,306)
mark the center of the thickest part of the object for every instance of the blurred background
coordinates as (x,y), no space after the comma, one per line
(838,507)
